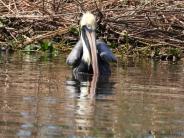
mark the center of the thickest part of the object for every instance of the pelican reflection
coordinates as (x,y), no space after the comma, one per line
(87,90)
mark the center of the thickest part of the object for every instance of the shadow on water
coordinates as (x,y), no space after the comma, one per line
(40,97)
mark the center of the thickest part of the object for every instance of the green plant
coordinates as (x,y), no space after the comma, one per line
(174,52)
(46,46)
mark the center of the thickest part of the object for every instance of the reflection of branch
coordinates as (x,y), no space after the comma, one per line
(5,107)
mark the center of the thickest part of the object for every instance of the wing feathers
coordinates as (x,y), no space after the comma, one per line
(104,52)
(75,55)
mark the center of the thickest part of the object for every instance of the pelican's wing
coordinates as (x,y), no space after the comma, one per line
(75,55)
(104,52)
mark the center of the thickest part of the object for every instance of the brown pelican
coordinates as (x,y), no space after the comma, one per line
(90,55)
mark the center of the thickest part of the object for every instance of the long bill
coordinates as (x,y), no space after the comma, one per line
(92,43)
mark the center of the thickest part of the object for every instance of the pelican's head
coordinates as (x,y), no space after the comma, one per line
(88,20)
(88,37)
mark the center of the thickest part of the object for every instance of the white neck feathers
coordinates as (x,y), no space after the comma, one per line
(86,55)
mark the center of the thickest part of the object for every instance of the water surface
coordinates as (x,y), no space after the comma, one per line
(41,98)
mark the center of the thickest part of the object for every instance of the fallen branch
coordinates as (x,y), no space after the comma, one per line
(47,35)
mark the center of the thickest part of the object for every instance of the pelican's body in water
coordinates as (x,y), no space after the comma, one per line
(90,55)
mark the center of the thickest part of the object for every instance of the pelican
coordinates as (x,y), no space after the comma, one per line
(89,55)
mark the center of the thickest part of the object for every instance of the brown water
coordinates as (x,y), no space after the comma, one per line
(40,98)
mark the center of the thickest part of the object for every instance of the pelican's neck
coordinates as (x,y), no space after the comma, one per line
(86,55)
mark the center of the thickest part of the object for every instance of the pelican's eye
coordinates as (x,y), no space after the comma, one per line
(89,27)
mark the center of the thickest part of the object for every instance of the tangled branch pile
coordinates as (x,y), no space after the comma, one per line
(149,27)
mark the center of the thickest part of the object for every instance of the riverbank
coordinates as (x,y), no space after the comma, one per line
(153,29)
